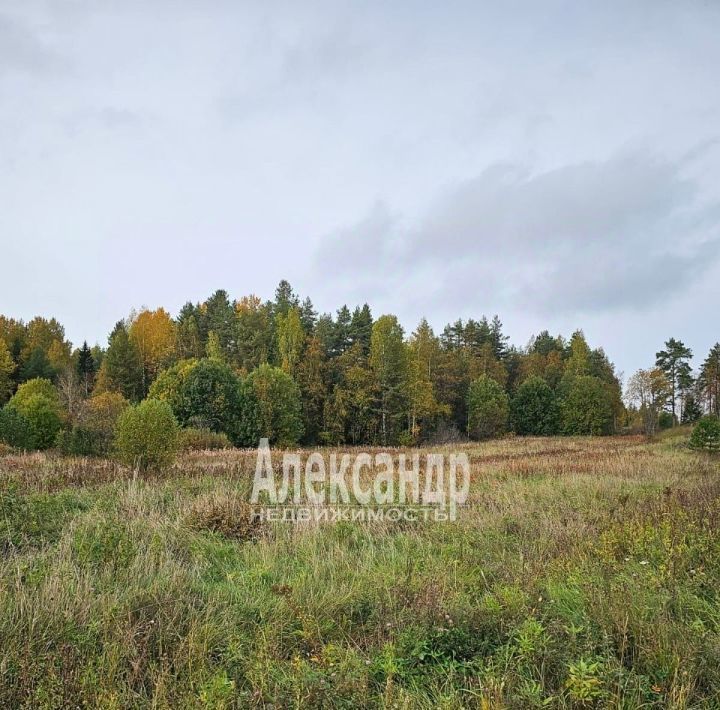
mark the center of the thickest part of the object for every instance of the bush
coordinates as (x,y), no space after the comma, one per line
(665,421)
(147,435)
(37,402)
(534,409)
(78,442)
(192,439)
(92,434)
(488,408)
(706,434)
(37,386)
(43,416)
(15,430)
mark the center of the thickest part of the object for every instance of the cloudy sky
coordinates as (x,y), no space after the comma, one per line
(557,163)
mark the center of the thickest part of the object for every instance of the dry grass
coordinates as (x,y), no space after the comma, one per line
(582,573)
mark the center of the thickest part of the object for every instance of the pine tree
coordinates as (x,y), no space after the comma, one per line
(121,370)
(709,380)
(86,368)
(360,329)
(673,361)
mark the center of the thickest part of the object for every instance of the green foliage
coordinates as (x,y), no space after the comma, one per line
(147,435)
(93,432)
(37,402)
(15,429)
(37,366)
(7,368)
(389,363)
(204,393)
(586,406)
(534,408)
(271,407)
(31,388)
(122,367)
(706,434)
(192,439)
(488,409)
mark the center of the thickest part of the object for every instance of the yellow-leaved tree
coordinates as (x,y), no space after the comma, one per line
(153,334)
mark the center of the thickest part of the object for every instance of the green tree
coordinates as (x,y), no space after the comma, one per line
(423,359)
(7,369)
(578,361)
(706,434)
(488,408)
(278,410)
(692,410)
(311,374)
(147,435)
(360,328)
(86,367)
(285,299)
(586,405)
(188,332)
(15,429)
(219,317)
(291,339)
(211,398)
(254,332)
(709,380)
(534,408)
(170,383)
(37,365)
(673,361)
(388,361)
(204,394)
(121,370)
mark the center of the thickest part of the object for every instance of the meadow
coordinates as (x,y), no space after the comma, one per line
(583,572)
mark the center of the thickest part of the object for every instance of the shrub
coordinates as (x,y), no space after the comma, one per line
(665,420)
(228,514)
(534,409)
(92,434)
(147,435)
(488,408)
(43,416)
(15,429)
(706,434)
(37,386)
(192,439)
(37,402)
(78,442)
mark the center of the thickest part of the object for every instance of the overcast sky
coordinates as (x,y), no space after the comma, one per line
(557,163)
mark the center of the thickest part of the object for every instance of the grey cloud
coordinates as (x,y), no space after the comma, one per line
(22,49)
(592,236)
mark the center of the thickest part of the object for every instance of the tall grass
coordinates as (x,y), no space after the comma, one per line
(582,573)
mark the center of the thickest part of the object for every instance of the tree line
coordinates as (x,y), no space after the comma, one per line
(248,368)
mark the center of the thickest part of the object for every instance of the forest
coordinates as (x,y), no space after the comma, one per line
(234,370)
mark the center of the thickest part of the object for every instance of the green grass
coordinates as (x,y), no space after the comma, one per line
(585,573)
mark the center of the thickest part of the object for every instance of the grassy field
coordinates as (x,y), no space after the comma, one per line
(583,573)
